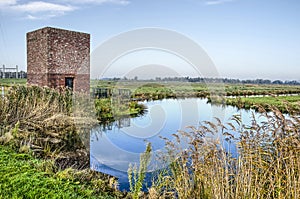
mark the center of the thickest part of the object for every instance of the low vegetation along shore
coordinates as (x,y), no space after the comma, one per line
(286,104)
(44,154)
(108,111)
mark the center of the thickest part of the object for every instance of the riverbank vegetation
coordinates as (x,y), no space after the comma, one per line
(42,145)
(45,124)
(52,123)
(286,104)
(267,164)
(107,110)
(41,120)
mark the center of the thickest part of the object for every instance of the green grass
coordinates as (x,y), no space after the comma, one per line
(253,89)
(283,103)
(9,82)
(109,110)
(160,90)
(156,90)
(23,176)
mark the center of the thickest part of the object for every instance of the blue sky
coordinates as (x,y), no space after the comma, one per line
(245,38)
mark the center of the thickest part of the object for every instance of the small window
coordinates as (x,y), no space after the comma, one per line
(69,82)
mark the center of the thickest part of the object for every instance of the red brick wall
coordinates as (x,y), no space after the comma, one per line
(53,54)
(37,65)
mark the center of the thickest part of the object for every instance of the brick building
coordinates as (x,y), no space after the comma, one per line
(58,58)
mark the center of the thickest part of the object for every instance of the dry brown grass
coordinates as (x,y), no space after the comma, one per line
(268,164)
(42,120)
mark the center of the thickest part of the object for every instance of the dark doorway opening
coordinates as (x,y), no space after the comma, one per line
(69,82)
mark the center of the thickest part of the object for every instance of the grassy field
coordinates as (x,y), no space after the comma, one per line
(253,89)
(159,90)
(8,82)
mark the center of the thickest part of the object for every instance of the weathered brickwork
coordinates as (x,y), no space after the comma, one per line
(55,54)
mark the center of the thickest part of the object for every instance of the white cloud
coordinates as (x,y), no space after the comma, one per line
(7,2)
(40,6)
(35,9)
(47,9)
(42,16)
(217,2)
(99,2)
(31,17)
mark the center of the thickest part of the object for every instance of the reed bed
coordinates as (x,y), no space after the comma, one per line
(42,120)
(267,164)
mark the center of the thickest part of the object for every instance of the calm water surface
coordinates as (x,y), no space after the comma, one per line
(116,146)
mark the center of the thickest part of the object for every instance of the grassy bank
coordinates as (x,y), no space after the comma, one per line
(283,103)
(50,134)
(23,176)
(49,125)
(108,110)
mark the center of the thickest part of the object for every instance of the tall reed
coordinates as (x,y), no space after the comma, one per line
(137,176)
(267,164)
(43,120)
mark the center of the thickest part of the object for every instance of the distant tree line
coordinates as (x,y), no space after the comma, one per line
(248,81)
(210,80)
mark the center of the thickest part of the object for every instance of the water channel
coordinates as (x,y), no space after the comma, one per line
(115,146)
